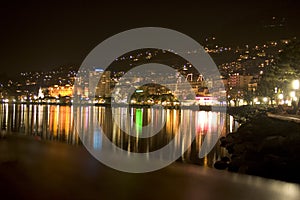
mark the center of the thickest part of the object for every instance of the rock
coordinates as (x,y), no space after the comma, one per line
(274,145)
(221,165)
(253,156)
(234,166)
(225,159)
(223,141)
(239,148)
(265,147)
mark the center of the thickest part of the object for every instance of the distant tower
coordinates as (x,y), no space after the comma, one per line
(189,75)
(99,83)
(40,94)
(200,78)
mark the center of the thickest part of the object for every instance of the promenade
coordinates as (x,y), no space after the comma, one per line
(34,169)
(285,117)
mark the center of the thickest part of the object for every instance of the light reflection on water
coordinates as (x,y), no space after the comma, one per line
(56,123)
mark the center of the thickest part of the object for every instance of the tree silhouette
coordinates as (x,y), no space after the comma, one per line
(282,72)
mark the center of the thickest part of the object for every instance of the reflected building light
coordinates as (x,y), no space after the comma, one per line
(131,117)
(200,121)
(6,116)
(97,139)
(169,122)
(214,120)
(22,115)
(40,118)
(67,121)
(139,121)
(14,115)
(26,118)
(176,121)
(50,118)
(231,124)
(54,117)
(205,161)
(115,132)
(55,120)
(86,117)
(60,122)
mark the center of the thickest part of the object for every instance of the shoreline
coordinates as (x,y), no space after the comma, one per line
(177,107)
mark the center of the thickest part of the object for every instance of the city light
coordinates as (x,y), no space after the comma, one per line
(265,99)
(295,84)
(292,94)
(116,100)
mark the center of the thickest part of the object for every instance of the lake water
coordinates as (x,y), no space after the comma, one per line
(57,123)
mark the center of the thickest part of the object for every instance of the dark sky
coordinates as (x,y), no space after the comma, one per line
(41,35)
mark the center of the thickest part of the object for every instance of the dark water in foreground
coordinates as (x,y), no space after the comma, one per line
(57,123)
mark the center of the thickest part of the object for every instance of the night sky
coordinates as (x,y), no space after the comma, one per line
(43,35)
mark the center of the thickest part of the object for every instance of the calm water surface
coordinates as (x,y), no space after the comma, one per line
(56,123)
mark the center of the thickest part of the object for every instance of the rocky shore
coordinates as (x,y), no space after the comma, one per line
(263,146)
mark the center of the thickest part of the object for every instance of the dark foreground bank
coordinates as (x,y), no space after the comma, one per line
(33,169)
(265,147)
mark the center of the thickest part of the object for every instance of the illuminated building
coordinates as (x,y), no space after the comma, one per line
(60,91)
(41,94)
(100,87)
(239,81)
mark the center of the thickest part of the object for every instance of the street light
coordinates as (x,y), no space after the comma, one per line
(265,99)
(295,84)
(280,97)
(293,94)
(255,100)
